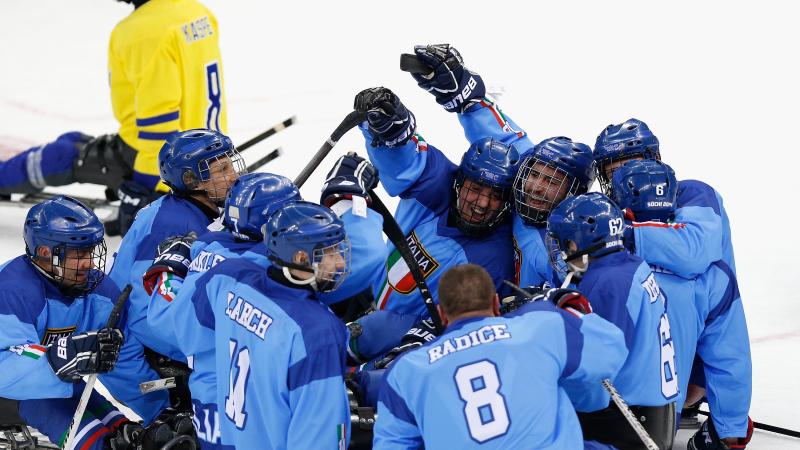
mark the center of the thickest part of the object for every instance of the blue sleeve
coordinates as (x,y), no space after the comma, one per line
(595,351)
(37,167)
(26,373)
(368,251)
(689,246)
(317,399)
(724,347)
(395,428)
(612,301)
(123,382)
(382,331)
(485,119)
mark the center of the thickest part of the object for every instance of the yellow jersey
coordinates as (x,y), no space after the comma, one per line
(165,72)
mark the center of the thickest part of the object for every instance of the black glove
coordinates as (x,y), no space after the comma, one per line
(453,85)
(171,430)
(351,175)
(533,293)
(390,123)
(104,160)
(133,197)
(76,355)
(173,257)
(706,438)
(422,333)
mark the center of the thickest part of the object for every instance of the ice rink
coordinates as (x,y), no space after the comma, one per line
(716,81)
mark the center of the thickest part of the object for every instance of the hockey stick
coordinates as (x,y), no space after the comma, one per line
(270,156)
(352,119)
(396,236)
(765,427)
(87,390)
(410,63)
(278,127)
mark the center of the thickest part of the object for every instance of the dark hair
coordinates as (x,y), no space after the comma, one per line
(465,288)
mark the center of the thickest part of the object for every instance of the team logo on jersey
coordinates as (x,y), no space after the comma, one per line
(398,275)
(53,334)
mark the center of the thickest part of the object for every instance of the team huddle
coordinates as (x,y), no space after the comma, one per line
(260,320)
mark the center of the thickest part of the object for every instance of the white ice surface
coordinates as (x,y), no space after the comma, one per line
(716,81)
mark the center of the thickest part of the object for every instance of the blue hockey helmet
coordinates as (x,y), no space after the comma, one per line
(489,166)
(554,169)
(314,234)
(74,237)
(616,143)
(252,199)
(648,188)
(587,225)
(188,159)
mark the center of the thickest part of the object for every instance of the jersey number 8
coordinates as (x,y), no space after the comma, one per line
(484,406)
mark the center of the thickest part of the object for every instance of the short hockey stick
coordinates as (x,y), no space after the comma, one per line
(765,427)
(410,63)
(113,318)
(275,129)
(269,157)
(352,119)
(396,236)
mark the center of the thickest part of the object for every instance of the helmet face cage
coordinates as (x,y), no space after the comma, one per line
(331,265)
(77,270)
(474,211)
(556,255)
(539,186)
(220,172)
(618,161)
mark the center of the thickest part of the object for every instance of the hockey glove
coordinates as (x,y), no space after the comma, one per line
(390,123)
(76,355)
(570,300)
(513,302)
(133,197)
(453,85)
(707,438)
(422,333)
(173,257)
(351,175)
(170,430)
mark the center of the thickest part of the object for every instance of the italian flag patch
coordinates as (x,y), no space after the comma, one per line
(34,351)
(165,286)
(398,275)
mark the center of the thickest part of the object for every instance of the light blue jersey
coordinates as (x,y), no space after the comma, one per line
(704,238)
(33,315)
(470,388)
(708,318)
(280,362)
(622,289)
(168,216)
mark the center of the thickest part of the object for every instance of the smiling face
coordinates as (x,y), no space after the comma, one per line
(479,203)
(545,186)
(219,175)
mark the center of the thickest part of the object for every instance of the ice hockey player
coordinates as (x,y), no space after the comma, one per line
(472,387)
(707,237)
(706,312)
(199,166)
(555,169)
(54,305)
(584,233)
(277,351)
(451,214)
(165,74)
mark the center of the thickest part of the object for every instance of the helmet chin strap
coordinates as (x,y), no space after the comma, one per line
(308,281)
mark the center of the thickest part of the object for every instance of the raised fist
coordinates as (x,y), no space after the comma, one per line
(351,175)
(390,123)
(454,86)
